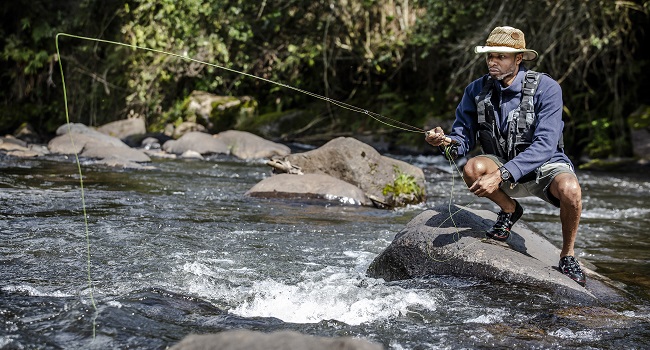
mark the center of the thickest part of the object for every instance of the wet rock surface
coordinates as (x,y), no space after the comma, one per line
(359,164)
(309,186)
(437,243)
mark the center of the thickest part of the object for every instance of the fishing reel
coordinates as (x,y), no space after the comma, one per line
(449,147)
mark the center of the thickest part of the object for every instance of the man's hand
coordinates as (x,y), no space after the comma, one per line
(436,137)
(486,184)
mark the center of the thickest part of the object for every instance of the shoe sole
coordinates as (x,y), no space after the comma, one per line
(491,236)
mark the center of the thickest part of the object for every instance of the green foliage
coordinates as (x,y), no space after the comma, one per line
(601,144)
(640,119)
(31,84)
(231,113)
(409,61)
(404,189)
(175,115)
(189,28)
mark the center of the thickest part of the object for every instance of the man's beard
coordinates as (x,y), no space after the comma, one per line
(504,75)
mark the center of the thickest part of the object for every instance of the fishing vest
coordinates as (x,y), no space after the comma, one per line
(521,121)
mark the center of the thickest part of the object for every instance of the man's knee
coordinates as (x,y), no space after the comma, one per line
(567,189)
(477,167)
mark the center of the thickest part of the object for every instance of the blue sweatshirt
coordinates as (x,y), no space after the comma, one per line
(548,126)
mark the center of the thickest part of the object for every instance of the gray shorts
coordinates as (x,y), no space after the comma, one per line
(537,187)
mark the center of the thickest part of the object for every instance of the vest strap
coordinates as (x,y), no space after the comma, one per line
(522,127)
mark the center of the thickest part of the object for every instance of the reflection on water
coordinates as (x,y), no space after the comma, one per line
(180,250)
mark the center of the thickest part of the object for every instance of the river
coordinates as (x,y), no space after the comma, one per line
(182,250)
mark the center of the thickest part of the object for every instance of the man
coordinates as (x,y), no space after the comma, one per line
(515,114)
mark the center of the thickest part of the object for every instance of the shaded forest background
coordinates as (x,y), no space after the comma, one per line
(406,59)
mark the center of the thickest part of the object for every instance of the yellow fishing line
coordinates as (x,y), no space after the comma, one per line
(81,185)
(378,117)
(456,237)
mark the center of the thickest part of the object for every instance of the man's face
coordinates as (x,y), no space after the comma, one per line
(503,65)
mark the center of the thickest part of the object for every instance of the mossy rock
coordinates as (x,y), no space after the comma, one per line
(282,124)
(216,113)
(229,112)
(176,115)
(609,164)
(640,119)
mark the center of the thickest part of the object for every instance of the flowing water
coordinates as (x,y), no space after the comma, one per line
(182,250)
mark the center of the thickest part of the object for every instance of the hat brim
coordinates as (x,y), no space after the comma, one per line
(529,55)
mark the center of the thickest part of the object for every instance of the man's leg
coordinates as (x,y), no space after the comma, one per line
(566,188)
(483,178)
(479,166)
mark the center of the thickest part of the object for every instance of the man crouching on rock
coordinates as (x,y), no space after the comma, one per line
(515,114)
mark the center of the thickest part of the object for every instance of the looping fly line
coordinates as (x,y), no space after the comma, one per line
(376,116)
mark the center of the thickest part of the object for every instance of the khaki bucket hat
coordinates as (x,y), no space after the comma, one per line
(507,39)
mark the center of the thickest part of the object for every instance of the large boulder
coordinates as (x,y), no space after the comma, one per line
(87,142)
(245,145)
(196,141)
(309,186)
(280,340)
(361,165)
(437,243)
(124,128)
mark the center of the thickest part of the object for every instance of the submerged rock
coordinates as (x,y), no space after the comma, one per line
(309,186)
(281,340)
(437,243)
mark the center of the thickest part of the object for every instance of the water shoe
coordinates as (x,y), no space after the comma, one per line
(501,229)
(569,266)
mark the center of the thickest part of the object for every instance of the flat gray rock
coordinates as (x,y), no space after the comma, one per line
(87,142)
(433,244)
(102,151)
(309,186)
(196,141)
(124,128)
(81,134)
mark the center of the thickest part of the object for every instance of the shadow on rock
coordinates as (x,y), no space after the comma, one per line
(451,241)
